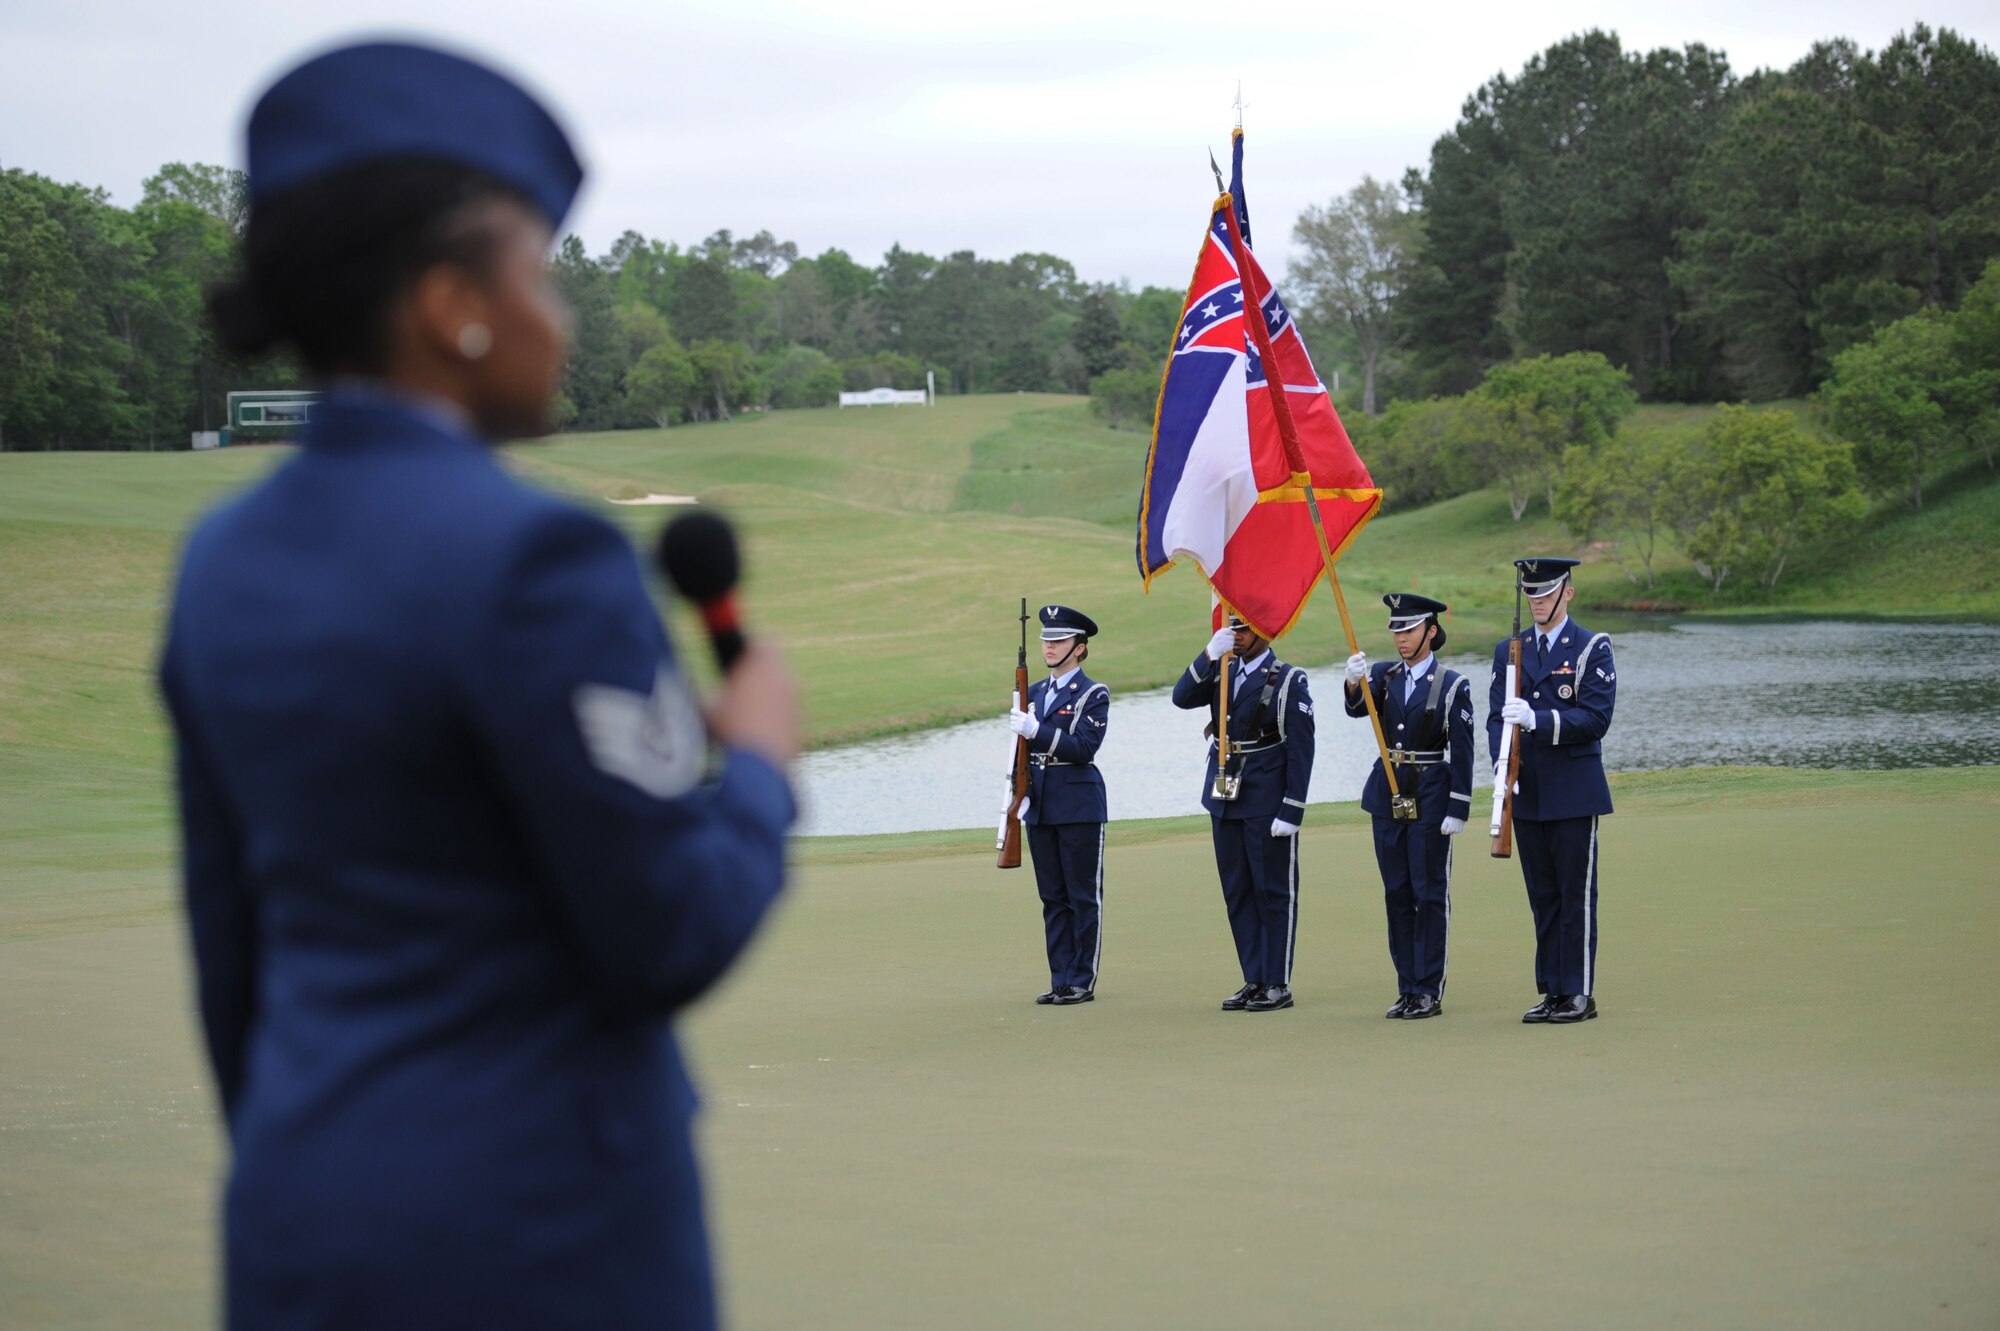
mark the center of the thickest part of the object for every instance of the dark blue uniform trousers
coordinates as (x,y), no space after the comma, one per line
(1069,873)
(1559,865)
(1415,859)
(1260,890)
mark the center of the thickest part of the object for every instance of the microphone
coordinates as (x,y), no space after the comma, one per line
(698,554)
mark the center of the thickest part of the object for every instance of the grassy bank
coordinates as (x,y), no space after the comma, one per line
(1940,563)
(886,541)
(1785,1118)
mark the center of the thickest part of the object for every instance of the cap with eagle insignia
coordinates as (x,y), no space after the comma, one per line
(1059,622)
(1407,610)
(1543,574)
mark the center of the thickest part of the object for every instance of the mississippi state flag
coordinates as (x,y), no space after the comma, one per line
(1219,489)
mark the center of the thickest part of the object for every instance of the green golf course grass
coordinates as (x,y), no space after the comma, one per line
(880,538)
(1788,1115)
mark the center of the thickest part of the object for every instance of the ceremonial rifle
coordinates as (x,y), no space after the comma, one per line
(1502,828)
(1009,842)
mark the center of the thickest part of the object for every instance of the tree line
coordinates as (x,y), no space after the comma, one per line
(666,333)
(1716,236)
(1608,227)
(1719,236)
(102,339)
(103,342)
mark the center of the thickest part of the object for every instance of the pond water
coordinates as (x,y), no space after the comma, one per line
(1807,694)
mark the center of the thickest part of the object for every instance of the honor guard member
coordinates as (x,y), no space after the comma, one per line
(1426,713)
(1256,803)
(1567,687)
(1064,724)
(456,847)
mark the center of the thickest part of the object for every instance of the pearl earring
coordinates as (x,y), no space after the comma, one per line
(474,341)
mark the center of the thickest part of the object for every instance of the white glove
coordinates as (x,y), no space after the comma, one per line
(1023,723)
(1500,775)
(1518,713)
(1357,667)
(1279,827)
(1021,814)
(1452,826)
(1224,639)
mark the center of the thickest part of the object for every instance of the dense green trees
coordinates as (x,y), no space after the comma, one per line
(1717,236)
(1922,393)
(1706,234)
(1607,226)
(103,343)
(102,340)
(1516,430)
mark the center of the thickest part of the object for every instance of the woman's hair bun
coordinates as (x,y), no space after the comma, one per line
(243,323)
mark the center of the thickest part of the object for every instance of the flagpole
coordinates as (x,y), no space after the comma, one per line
(1288,432)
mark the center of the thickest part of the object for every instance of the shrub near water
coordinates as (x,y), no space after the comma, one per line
(1760,486)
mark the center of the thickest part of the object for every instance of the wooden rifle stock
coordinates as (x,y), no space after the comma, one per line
(1010,825)
(1503,840)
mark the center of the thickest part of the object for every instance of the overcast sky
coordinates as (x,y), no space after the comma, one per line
(1080,129)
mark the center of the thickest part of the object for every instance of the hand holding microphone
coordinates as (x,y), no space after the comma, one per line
(758,707)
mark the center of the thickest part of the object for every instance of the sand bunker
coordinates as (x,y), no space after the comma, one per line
(656,499)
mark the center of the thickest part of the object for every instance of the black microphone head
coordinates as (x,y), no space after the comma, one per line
(698,555)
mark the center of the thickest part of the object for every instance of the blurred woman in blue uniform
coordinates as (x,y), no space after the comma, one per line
(1064,722)
(456,845)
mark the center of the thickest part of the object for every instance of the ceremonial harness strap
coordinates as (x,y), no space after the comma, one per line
(1431,702)
(1261,736)
(1076,708)
(1076,715)
(1426,728)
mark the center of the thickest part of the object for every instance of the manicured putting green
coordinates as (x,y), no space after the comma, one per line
(1788,1116)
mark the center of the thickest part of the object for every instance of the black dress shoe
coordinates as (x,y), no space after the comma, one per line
(1236,1001)
(1572,1008)
(1049,997)
(1396,1008)
(1539,1013)
(1072,995)
(1269,998)
(1421,1006)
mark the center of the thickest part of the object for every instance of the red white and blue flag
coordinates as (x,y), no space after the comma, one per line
(1221,486)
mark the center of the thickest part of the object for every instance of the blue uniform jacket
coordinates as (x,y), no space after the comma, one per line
(1572,692)
(1276,776)
(1068,789)
(451,864)
(1443,789)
